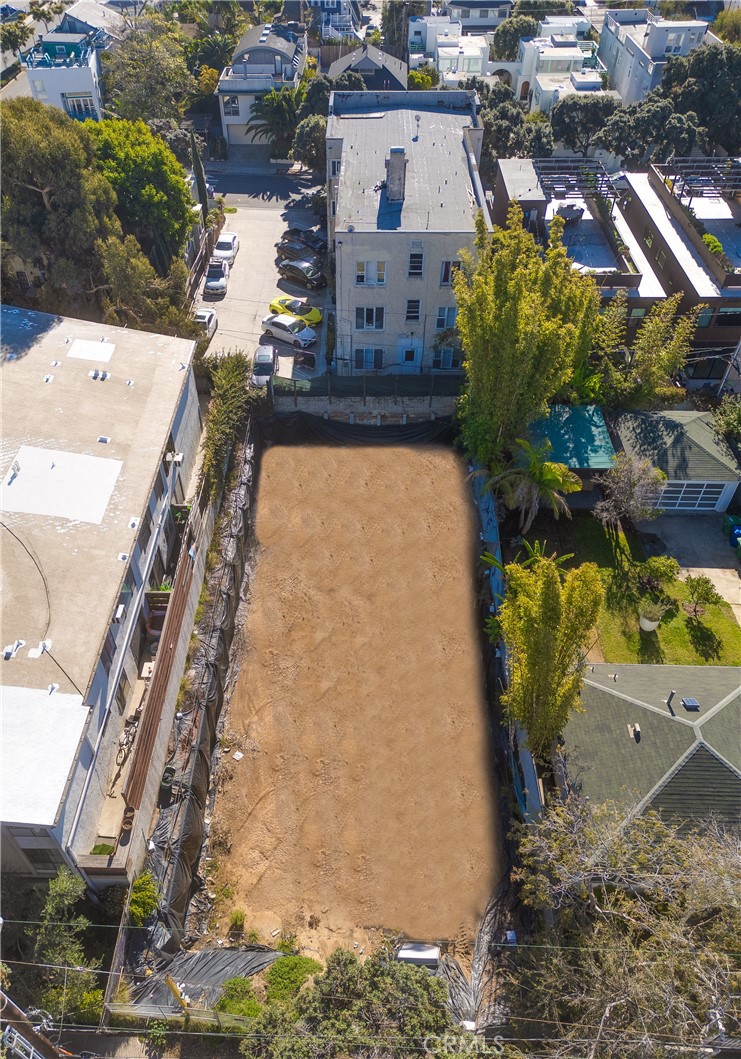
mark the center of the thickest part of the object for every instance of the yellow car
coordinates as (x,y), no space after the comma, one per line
(299,308)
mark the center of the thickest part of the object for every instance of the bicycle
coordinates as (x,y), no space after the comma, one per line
(126,741)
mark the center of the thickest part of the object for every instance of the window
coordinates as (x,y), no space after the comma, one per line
(729,316)
(80,106)
(410,356)
(43,859)
(231,106)
(29,832)
(416,264)
(22,280)
(446,317)
(108,652)
(122,692)
(648,237)
(61,50)
(447,359)
(370,273)
(660,258)
(369,319)
(413,307)
(334,167)
(368,359)
(703,320)
(144,534)
(446,272)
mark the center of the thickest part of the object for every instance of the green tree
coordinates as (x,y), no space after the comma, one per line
(45,11)
(284,978)
(200,175)
(642,917)
(395,15)
(578,119)
(208,80)
(309,146)
(727,26)
(546,621)
(56,205)
(214,50)
(524,319)
(631,488)
(540,8)
(146,76)
(274,118)
(702,593)
(507,35)
(707,83)
(14,36)
(316,97)
(727,417)
(530,481)
(154,201)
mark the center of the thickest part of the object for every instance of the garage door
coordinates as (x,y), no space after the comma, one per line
(691,496)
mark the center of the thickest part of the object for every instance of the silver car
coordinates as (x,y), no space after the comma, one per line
(217,279)
(226,247)
(290,329)
(263,365)
(208,320)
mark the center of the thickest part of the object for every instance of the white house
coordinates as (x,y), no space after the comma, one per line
(267,57)
(635,46)
(550,61)
(460,59)
(101,431)
(403,192)
(478,16)
(564,26)
(424,34)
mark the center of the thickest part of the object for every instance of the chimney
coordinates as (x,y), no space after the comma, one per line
(396,168)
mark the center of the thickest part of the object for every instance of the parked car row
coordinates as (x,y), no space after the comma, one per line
(222,259)
(301,251)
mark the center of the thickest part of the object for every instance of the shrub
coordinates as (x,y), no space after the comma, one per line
(716,249)
(657,572)
(239,998)
(285,977)
(236,922)
(652,610)
(157,1034)
(727,416)
(144,899)
(287,944)
(90,1011)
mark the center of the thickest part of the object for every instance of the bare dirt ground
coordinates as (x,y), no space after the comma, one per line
(364,800)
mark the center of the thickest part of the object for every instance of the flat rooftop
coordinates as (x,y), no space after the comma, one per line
(722,218)
(79,458)
(442,198)
(692,264)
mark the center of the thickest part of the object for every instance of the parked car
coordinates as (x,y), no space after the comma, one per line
(217,278)
(277,325)
(292,250)
(299,308)
(263,365)
(309,237)
(208,320)
(302,272)
(226,247)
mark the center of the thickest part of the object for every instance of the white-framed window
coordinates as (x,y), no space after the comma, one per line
(416,263)
(368,359)
(446,272)
(60,49)
(446,316)
(414,306)
(446,359)
(410,355)
(370,273)
(690,496)
(334,167)
(80,106)
(231,106)
(369,319)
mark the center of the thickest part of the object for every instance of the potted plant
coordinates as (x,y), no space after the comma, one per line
(650,614)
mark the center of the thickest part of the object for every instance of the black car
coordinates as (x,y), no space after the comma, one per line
(305,273)
(292,250)
(309,237)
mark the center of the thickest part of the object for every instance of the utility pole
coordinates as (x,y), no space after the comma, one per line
(19,1036)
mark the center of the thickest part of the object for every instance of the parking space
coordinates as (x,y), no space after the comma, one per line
(263,212)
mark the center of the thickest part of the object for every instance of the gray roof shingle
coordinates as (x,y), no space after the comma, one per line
(681,444)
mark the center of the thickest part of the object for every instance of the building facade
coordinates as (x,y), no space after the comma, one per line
(478,16)
(553,67)
(338,19)
(64,71)
(636,45)
(403,192)
(102,428)
(266,57)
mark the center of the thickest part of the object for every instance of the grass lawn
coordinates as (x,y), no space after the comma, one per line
(713,639)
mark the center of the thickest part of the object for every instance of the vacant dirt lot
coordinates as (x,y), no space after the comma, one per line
(364,798)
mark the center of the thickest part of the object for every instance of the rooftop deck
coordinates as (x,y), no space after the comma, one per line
(722,218)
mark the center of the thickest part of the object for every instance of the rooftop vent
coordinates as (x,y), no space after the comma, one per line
(396,165)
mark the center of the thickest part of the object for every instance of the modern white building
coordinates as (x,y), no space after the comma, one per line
(636,45)
(424,34)
(478,16)
(564,26)
(403,193)
(101,430)
(545,66)
(461,59)
(267,57)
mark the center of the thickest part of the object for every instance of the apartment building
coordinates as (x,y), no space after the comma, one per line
(267,57)
(635,46)
(439,41)
(550,68)
(597,234)
(687,217)
(102,428)
(478,16)
(403,192)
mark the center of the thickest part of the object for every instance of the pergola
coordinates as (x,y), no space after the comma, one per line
(702,177)
(573,178)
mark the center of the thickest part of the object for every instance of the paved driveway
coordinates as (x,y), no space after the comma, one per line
(697,543)
(263,212)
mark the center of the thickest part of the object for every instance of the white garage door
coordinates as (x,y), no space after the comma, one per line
(691,496)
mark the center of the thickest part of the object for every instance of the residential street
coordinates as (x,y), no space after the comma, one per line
(263,213)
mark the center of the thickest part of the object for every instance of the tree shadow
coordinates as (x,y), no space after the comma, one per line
(705,642)
(649,648)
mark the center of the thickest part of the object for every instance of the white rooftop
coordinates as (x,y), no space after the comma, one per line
(39,735)
(722,218)
(469,46)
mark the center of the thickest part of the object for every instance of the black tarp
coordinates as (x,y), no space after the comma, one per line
(201,976)
(301,428)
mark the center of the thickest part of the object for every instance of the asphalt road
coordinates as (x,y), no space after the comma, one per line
(262,215)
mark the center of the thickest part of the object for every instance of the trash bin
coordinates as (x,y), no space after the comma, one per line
(729,522)
(735,535)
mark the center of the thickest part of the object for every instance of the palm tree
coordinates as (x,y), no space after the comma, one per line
(214,50)
(274,118)
(530,480)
